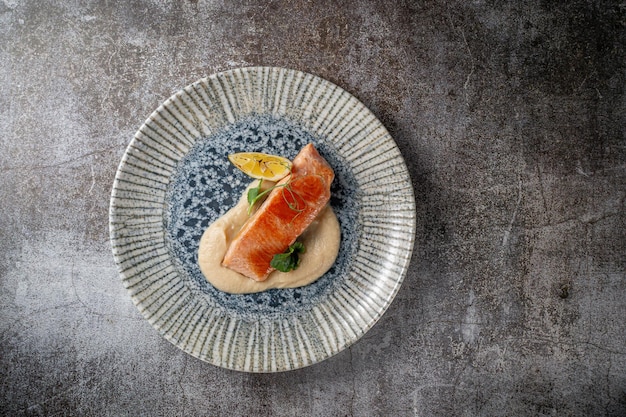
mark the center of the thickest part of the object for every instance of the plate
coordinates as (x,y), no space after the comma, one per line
(174,180)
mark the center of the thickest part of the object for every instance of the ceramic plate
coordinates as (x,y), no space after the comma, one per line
(174,180)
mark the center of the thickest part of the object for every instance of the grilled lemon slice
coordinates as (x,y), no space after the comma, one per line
(261,166)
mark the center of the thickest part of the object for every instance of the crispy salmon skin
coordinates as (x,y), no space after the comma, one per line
(288,210)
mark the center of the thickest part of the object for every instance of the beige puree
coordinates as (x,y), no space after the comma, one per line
(321,240)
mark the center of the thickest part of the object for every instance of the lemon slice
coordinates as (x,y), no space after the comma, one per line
(261,166)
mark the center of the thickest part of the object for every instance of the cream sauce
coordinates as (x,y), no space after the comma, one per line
(321,240)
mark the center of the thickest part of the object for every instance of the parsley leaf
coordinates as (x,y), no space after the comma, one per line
(289,260)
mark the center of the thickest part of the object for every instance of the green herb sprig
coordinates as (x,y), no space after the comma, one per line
(290,259)
(255,194)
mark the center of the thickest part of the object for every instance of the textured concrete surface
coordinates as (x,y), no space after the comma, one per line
(510,114)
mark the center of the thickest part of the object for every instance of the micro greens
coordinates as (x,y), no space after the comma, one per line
(290,259)
(255,194)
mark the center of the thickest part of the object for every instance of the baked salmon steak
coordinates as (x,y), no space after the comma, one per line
(287,211)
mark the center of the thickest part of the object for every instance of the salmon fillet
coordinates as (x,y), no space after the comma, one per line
(284,215)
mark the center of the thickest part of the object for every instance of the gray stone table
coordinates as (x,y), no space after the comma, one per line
(511,116)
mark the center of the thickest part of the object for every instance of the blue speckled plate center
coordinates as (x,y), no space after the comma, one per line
(205,186)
